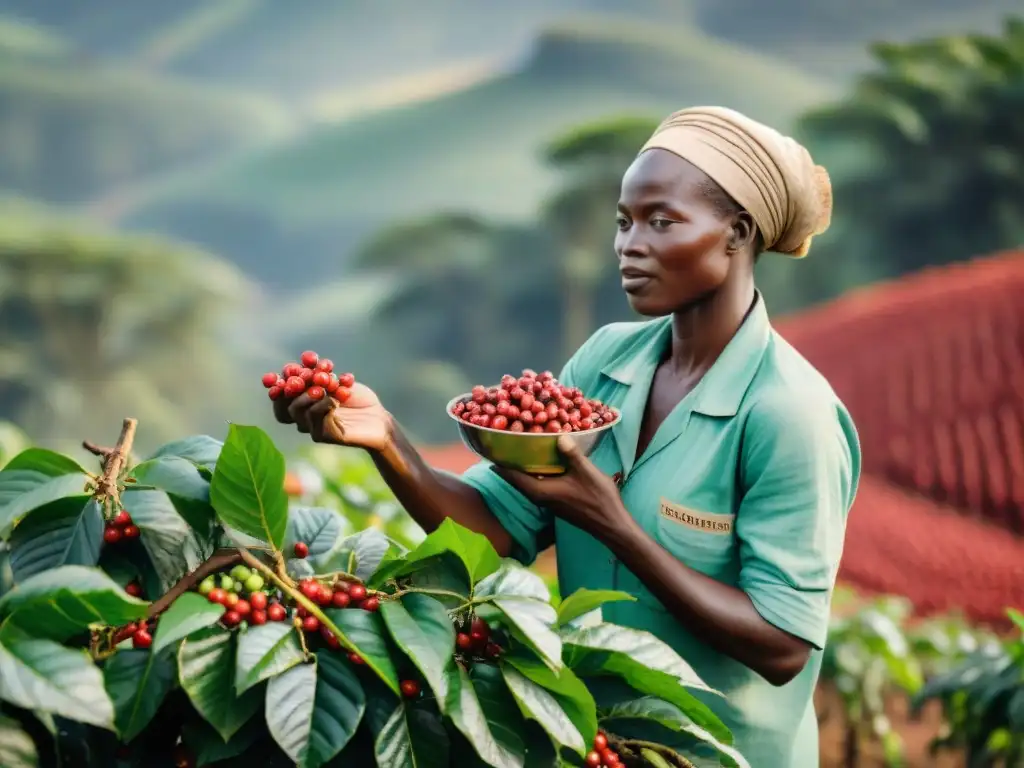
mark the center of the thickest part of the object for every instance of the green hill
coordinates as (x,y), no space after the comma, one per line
(70,128)
(476,149)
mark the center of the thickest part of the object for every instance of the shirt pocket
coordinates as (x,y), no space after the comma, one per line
(703,540)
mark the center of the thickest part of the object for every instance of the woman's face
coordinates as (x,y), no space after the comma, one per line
(672,241)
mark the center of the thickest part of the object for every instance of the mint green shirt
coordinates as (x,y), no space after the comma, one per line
(749,480)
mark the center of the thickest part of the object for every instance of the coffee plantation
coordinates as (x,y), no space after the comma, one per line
(240,629)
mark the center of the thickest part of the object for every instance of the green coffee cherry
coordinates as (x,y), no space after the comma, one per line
(207,585)
(240,573)
(254,583)
(227,583)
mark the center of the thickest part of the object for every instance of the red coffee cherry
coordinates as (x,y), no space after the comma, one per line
(310,358)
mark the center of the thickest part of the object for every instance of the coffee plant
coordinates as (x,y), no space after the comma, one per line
(181,611)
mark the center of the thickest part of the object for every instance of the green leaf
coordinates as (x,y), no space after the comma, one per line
(411,737)
(583,601)
(68,531)
(39,674)
(649,665)
(523,598)
(17,750)
(313,710)
(570,693)
(473,549)
(206,671)
(137,681)
(188,614)
(208,747)
(265,651)
(169,541)
(45,461)
(317,527)
(188,491)
(63,602)
(247,489)
(198,449)
(360,554)
(537,703)
(655,710)
(23,490)
(365,632)
(422,628)
(489,730)
(1016,617)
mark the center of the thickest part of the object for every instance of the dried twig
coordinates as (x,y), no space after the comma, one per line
(114,462)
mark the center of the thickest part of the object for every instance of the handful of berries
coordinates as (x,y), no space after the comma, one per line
(532,403)
(314,375)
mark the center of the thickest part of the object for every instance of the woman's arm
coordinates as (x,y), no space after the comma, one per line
(430,496)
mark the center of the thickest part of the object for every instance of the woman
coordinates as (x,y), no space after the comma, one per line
(721,500)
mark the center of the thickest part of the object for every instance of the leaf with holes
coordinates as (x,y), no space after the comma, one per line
(422,628)
(313,710)
(247,489)
(66,601)
(265,651)
(68,531)
(137,682)
(206,671)
(42,675)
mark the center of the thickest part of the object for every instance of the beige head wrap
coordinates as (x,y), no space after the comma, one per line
(770,175)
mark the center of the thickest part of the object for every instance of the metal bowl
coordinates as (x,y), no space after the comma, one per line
(532,452)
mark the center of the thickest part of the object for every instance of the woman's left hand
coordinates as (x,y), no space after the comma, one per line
(583,495)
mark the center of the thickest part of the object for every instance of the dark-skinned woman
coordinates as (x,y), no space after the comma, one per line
(734,463)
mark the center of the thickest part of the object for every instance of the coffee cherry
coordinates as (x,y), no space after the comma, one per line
(133,589)
(291,369)
(217,595)
(325,365)
(492,650)
(310,589)
(609,758)
(269,380)
(258,601)
(207,585)
(593,759)
(311,623)
(357,592)
(142,639)
(340,600)
(275,393)
(600,741)
(231,618)
(294,386)
(355,658)
(316,393)
(276,612)
(256,618)
(326,596)
(122,518)
(243,608)
(254,583)
(410,688)
(370,604)
(111,535)
(329,638)
(130,532)
(301,549)
(346,380)
(240,573)
(321,379)
(463,641)
(332,384)
(310,358)
(231,599)
(342,394)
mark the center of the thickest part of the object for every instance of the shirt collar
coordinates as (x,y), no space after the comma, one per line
(722,389)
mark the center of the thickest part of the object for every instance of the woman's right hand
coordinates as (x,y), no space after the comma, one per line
(361,422)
